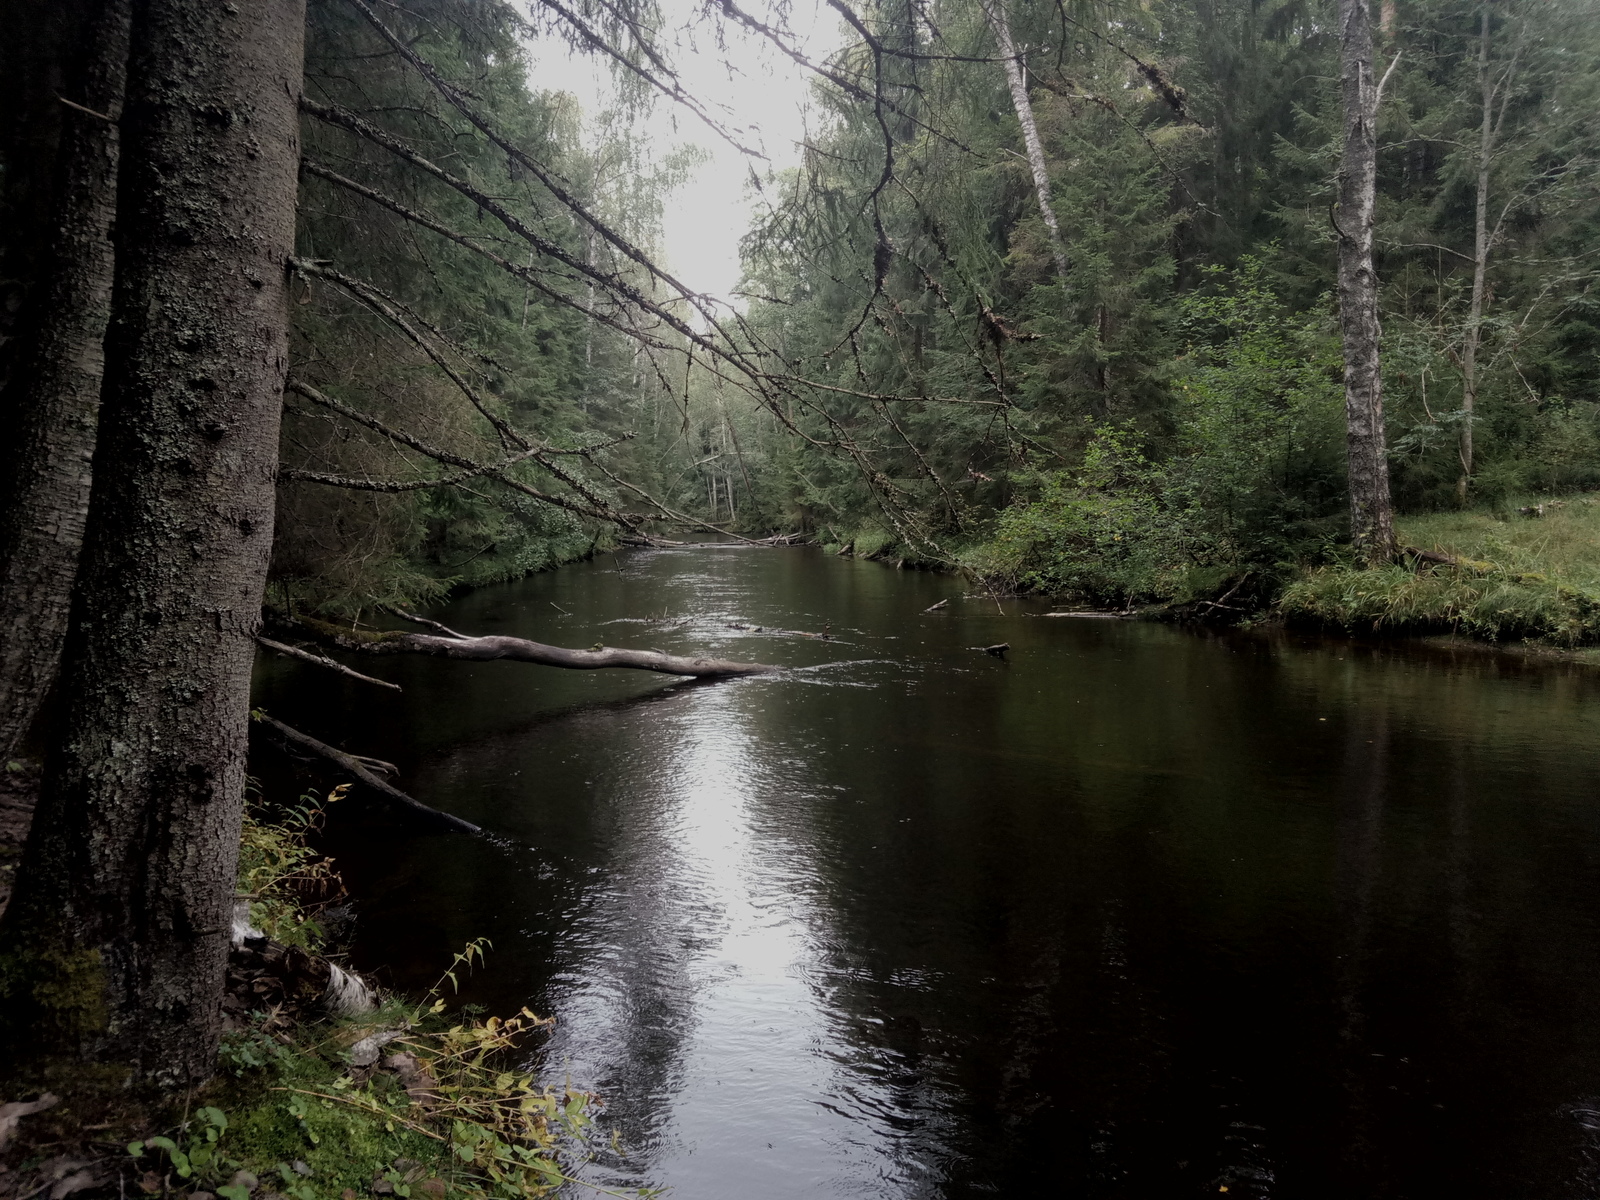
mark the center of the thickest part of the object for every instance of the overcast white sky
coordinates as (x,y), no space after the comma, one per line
(764,99)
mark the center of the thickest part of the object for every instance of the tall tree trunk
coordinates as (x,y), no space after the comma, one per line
(1371,512)
(56,388)
(115,940)
(1472,338)
(1000,25)
(40,57)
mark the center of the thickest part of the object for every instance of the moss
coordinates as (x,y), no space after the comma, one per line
(56,995)
(328,631)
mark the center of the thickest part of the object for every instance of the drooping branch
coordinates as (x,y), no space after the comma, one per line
(495,471)
(513,649)
(524,274)
(459,100)
(399,485)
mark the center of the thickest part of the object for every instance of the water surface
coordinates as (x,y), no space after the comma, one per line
(1134,912)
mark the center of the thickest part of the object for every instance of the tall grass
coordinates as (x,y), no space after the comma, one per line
(1520,577)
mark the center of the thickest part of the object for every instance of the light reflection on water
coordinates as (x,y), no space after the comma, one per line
(1135,913)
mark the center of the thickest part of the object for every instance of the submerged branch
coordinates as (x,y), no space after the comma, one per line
(353,765)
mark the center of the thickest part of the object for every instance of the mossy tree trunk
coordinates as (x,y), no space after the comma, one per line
(53,396)
(115,941)
(1371,511)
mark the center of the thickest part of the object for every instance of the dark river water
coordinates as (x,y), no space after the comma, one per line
(1137,912)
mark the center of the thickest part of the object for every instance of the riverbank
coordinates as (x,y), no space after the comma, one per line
(1524,574)
(326,1088)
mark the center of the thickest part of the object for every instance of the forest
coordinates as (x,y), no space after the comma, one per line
(317,314)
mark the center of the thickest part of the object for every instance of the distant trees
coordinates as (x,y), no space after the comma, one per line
(1174,141)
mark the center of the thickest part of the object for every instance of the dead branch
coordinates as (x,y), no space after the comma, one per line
(352,765)
(495,471)
(327,663)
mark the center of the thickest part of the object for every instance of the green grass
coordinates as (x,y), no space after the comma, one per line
(1563,544)
(1520,578)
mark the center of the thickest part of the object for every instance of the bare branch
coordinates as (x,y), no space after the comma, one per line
(324,662)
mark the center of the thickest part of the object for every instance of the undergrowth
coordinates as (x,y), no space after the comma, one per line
(408,1100)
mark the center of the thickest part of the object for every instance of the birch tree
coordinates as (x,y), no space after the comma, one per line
(1371,510)
(1000,25)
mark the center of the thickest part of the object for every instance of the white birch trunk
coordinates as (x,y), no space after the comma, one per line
(995,11)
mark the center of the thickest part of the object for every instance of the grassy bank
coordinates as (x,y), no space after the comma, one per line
(1528,572)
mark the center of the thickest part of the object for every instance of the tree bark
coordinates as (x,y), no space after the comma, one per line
(1482,243)
(114,945)
(1000,25)
(1371,512)
(39,57)
(55,392)
(450,644)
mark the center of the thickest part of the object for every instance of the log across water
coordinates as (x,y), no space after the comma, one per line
(447,643)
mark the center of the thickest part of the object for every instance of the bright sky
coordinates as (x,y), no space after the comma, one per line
(763,102)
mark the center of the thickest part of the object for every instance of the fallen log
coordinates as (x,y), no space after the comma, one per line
(354,765)
(1447,560)
(447,643)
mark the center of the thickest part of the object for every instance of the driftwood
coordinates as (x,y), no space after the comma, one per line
(321,661)
(447,643)
(936,607)
(649,541)
(357,766)
(998,650)
(825,636)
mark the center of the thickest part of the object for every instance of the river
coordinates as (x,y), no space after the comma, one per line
(1135,911)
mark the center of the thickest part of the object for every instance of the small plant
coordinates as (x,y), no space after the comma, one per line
(279,869)
(198,1158)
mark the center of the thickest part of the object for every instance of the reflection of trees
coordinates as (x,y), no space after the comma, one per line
(1363,786)
(1134,900)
